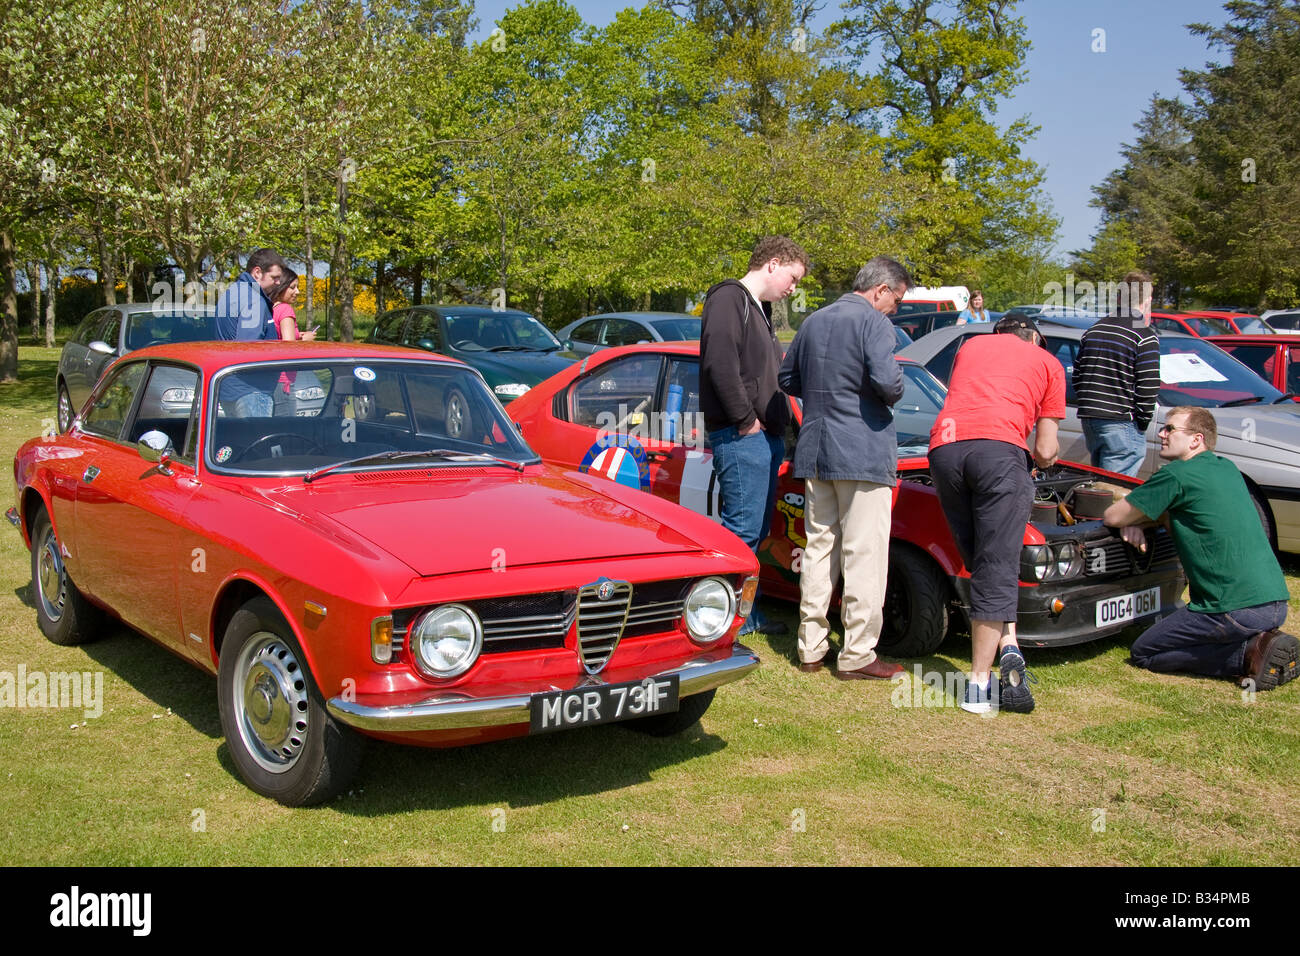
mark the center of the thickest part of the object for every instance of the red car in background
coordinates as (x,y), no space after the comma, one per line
(391,560)
(632,414)
(1240,323)
(1201,326)
(1274,358)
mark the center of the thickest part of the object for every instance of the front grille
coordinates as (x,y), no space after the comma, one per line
(1111,556)
(540,621)
(524,623)
(600,622)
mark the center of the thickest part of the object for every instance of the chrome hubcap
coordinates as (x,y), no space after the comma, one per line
(51,590)
(271,702)
(65,410)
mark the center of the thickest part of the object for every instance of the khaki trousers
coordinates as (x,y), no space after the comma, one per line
(847,524)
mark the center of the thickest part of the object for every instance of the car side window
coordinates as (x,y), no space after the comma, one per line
(587,333)
(423,331)
(625,332)
(1257,358)
(1065,351)
(389,327)
(109,329)
(682,421)
(89,325)
(112,403)
(1167,325)
(941,365)
(617,396)
(167,405)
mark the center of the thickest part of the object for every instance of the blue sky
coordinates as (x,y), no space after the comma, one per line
(1085,102)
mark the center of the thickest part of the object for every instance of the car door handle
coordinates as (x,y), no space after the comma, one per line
(90,474)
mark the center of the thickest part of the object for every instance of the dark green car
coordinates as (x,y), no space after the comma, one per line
(510,348)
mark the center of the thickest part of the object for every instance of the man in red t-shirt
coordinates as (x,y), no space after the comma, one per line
(1003,386)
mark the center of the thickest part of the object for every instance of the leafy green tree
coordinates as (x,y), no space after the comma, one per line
(1246,142)
(1151,195)
(940,76)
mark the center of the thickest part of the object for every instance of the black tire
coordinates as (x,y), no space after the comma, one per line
(63,613)
(456,418)
(64,412)
(283,741)
(687,715)
(1261,509)
(916,606)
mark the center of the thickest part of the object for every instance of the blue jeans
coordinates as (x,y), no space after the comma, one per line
(746,467)
(1209,644)
(1115,445)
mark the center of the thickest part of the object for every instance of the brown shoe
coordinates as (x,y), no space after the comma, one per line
(882,670)
(1272,659)
(812,667)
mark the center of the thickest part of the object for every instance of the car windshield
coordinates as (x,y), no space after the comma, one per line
(498,332)
(916,411)
(156,328)
(1250,325)
(677,330)
(296,417)
(1203,326)
(1196,372)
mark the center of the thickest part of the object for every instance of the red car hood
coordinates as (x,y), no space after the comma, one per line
(472,520)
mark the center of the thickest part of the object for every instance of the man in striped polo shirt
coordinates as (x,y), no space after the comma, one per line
(1117,378)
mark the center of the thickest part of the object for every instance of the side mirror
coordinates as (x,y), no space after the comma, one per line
(568,345)
(103,348)
(427,345)
(156,447)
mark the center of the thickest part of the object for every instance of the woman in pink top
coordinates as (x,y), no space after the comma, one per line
(283,315)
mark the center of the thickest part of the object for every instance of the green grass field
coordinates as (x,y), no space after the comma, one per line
(1117,766)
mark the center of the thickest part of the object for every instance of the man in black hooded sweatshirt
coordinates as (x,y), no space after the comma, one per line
(745,412)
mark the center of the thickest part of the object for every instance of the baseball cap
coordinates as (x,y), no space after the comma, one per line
(1015,322)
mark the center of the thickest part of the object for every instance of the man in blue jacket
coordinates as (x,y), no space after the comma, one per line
(244,311)
(842,365)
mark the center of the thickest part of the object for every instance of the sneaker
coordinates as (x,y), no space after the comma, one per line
(1013,681)
(980,699)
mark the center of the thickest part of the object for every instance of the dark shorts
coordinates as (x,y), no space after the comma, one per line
(986,494)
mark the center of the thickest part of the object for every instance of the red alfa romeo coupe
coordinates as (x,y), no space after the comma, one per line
(356,541)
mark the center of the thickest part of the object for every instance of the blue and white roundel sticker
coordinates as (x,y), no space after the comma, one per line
(620,458)
(364,374)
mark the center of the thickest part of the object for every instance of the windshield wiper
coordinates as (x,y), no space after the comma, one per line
(512,348)
(445,453)
(1285,398)
(1249,400)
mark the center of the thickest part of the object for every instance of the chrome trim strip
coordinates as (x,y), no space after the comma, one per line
(451,711)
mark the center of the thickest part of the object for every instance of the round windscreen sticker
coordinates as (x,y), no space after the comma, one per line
(364,374)
(223,454)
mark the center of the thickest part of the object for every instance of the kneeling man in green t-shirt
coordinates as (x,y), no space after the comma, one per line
(1239,597)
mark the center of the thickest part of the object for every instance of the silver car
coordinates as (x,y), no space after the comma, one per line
(1259,427)
(595,332)
(111,332)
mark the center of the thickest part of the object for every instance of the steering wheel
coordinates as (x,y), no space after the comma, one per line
(309,447)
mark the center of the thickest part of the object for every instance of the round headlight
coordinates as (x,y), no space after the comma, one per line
(710,610)
(1068,560)
(446,640)
(1036,562)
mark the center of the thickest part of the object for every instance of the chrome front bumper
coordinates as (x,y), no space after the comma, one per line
(451,710)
